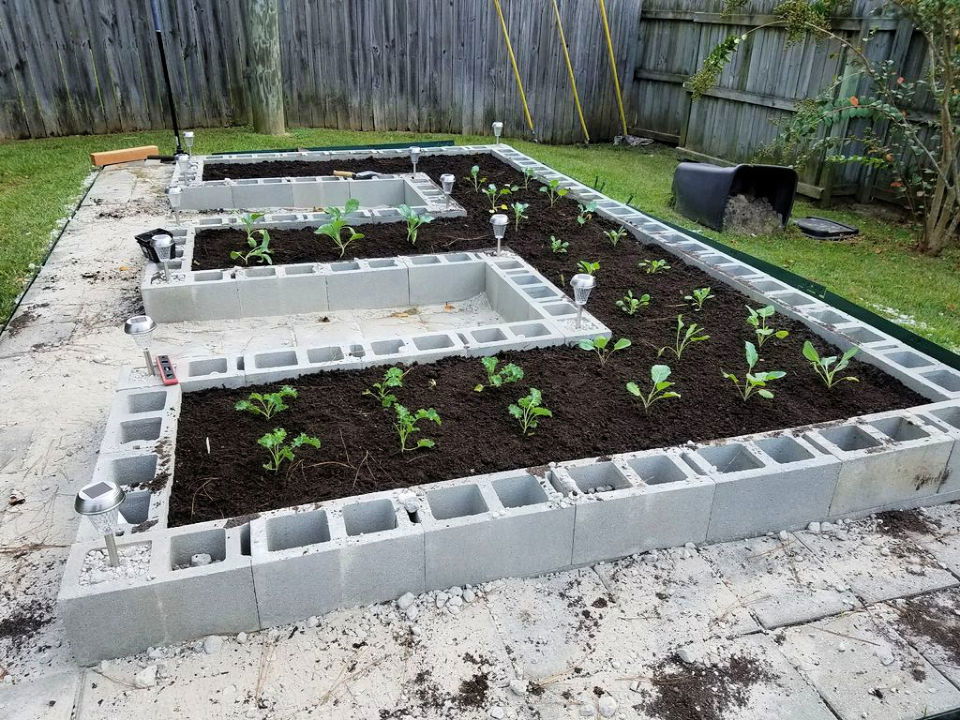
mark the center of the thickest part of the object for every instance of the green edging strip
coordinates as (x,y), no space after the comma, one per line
(905,336)
(381,146)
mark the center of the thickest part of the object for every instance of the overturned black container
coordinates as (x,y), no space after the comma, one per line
(702,190)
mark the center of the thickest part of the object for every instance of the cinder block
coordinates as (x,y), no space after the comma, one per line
(946,416)
(200,373)
(268,192)
(275,365)
(434,281)
(355,284)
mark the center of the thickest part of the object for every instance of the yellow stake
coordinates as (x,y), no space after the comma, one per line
(573,80)
(513,61)
(613,63)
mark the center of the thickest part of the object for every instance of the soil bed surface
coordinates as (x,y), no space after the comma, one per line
(592,412)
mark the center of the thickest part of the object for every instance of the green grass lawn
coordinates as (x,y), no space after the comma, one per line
(40,181)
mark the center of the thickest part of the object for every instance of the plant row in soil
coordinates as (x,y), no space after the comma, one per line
(592,413)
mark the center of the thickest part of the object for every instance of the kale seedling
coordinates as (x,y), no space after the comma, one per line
(630,304)
(828,367)
(259,249)
(590,268)
(653,266)
(615,236)
(758,321)
(698,297)
(475,178)
(280,450)
(602,347)
(519,213)
(586,212)
(509,373)
(414,221)
(553,189)
(392,378)
(659,390)
(338,224)
(494,195)
(558,247)
(266,404)
(753,382)
(528,174)
(528,410)
(406,425)
(684,337)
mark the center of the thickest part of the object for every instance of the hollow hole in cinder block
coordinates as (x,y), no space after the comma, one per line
(143,430)
(598,477)
(488,335)
(281,358)
(425,260)
(135,507)
(382,263)
(209,542)
(949,415)
(324,354)
(792,299)
(850,437)
(386,347)
(530,330)
(297,530)
(560,309)
(908,359)
(300,270)
(944,378)
(519,491)
(829,317)
(245,540)
(860,334)
(900,429)
(260,272)
(656,470)
(369,517)
(730,458)
(208,275)
(457,501)
(767,285)
(433,342)
(540,292)
(357,351)
(198,368)
(784,450)
(133,471)
(344,266)
(146,402)
(738,270)
(526,279)
(458,257)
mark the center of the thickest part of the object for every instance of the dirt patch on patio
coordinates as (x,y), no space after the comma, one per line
(934,617)
(902,523)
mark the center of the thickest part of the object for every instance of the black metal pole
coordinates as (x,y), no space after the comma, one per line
(157,25)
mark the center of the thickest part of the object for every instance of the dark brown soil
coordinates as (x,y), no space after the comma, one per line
(935,618)
(299,168)
(23,622)
(593,413)
(903,523)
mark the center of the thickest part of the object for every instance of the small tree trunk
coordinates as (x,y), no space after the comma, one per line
(264,79)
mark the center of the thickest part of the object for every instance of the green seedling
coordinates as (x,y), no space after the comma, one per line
(266,404)
(615,236)
(590,268)
(659,388)
(686,334)
(653,266)
(698,297)
(630,304)
(392,378)
(414,221)
(259,249)
(280,450)
(758,321)
(337,226)
(528,174)
(828,367)
(553,189)
(495,194)
(602,347)
(558,247)
(586,212)
(519,213)
(529,410)
(406,425)
(249,220)
(753,382)
(475,178)
(509,373)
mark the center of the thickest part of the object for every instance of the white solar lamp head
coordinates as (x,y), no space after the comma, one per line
(100,503)
(497,130)
(163,246)
(499,223)
(414,157)
(582,284)
(188,140)
(140,328)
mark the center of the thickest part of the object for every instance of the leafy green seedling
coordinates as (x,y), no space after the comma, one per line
(529,410)
(392,378)
(558,247)
(698,297)
(590,268)
(586,212)
(653,266)
(528,174)
(338,224)
(475,178)
(758,321)
(495,194)
(280,450)
(659,389)
(615,236)
(753,382)
(553,189)
(828,367)
(259,249)
(509,373)
(686,334)
(414,221)
(266,404)
(630,304)
(602,347)
(519,213)
(406,425)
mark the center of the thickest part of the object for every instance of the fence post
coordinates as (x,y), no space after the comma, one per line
(261,25)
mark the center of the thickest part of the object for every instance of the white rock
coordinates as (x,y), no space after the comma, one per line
(273,635)
(200,559)
(313,621)
(412,612)
(496,712)
(518,687)
(586,710)
(608,706)
(784,535)
(814,527)
(455,592)
(455,601)
(406,600)
(212,644)
(469,595)
(146,678)
(241,638)
(687,655)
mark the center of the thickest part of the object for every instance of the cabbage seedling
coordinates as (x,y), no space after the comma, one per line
(414,221)
(586,212)
(475,178)
(630,304)
(494,195)
(753,382)
(406,425)
(828,367)
(653,266)
(615,236)
(686,334)
(509,373)
(280,450)
(698,297)
(266,404)
(558,247)
(519,213)
(758,321)
(602,347)
(392,378)
(590,268)
(659,389)
(553,189)
(259,249)
(528,174)
(529,410)
(338,224)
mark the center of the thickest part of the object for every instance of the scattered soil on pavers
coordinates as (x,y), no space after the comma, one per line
(935,618)
(593,413)
(697,692)
(901,523)
(472,693)
(23,622)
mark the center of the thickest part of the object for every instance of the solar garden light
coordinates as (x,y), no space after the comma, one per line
(582,285)
(100,503)
(499,222)
(188,141)
(446,182)
(414,157)
(174,195)
(497,130)
(163,247)
(140,327)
